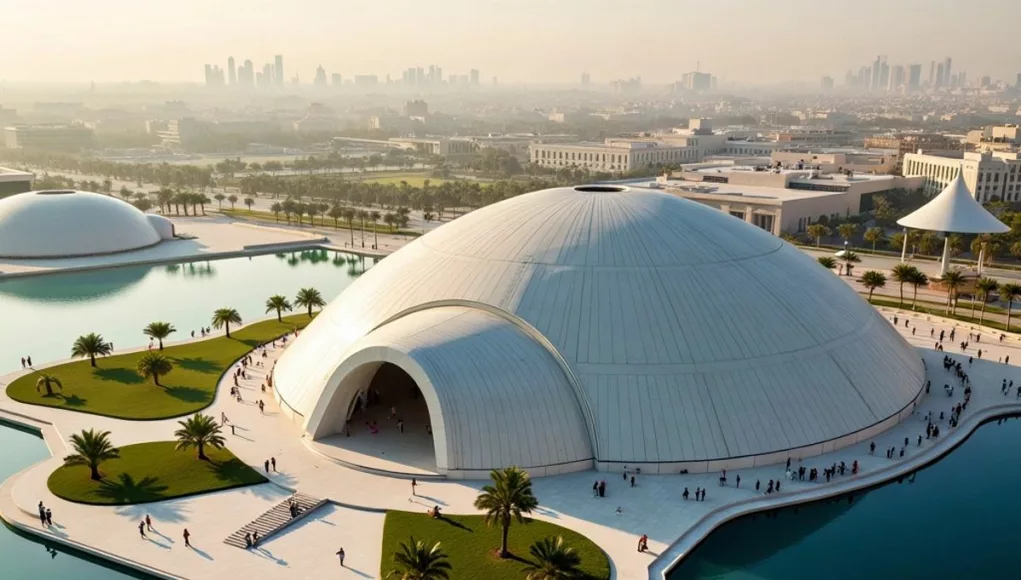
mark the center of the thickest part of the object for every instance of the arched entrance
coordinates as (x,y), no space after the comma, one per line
(380,420)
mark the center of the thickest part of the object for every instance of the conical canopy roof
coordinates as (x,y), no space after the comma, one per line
(954,210)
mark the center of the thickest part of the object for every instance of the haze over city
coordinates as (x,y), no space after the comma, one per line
(522,41)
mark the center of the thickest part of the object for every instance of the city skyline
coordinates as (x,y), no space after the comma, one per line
(373,39)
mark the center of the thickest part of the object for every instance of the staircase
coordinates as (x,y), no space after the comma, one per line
(276,519)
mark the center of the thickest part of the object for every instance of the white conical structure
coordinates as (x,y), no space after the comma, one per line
(954,210)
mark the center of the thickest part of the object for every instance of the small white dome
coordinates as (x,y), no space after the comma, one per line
(68,223)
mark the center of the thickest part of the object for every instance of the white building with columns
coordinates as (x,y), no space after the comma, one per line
(990,175)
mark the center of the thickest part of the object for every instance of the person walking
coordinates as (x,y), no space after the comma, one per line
(265,465)
(49,517)
(273,463)
(42,514)
(340,556)
(643,543)
(187,536)
(414,485)
(141,529)
(148,522)
(685,494)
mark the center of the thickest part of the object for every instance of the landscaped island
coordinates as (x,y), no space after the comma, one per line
(115,388)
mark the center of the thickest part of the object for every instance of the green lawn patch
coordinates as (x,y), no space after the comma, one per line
(412,180)
(318,221)
(154,471)
(115,389)
(472,546)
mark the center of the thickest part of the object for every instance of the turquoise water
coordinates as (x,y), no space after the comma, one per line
(42,316)
(956,519)
(29,559)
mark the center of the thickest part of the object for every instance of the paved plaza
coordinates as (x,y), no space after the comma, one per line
(653,507)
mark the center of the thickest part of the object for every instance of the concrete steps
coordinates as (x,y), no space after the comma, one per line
(276,519)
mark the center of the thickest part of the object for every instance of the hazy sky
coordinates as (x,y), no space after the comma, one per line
(517,40)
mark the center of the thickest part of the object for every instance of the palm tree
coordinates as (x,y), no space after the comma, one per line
(349,216)
(47,381)
(1009,293)
(309,298)
(874,236)
(818,231)
(159,331)
(983,288)
(847,231)
(928,243)
(505,500)
(278,303)
(90,345)
(276,208)
(199,431)
(374,216)
(225,317)
(219,199)
(91,449)
(902,274)
(918,278)
(416,562)
(232,199)
(952,280)
(249,202)
(153,364)
(873,279)
(553,559)
(827,262)
(849,258)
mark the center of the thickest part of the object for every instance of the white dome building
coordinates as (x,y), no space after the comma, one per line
(609,327)
(67,223)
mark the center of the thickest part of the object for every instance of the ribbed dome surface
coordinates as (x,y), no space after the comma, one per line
(67,223)
(689,335)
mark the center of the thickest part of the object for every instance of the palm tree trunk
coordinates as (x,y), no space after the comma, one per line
(279,319)
(503,545)
(310,311)
(1009,302)
(92,359)
(161,344)
(156,379)
(870,295)
(914,299)
(901,303)
(982,316)
(226,326)
(202,451)
(95,472)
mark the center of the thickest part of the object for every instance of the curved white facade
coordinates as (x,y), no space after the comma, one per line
(688,338)
(66,223)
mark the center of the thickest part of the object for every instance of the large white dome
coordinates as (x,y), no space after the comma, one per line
(625,326)
(67,223)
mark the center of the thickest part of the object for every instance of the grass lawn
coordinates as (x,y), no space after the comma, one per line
(412,180)
(963,314)
(152,471)
(115,389)
(471,546)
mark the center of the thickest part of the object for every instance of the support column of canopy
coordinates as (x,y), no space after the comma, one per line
(904,250)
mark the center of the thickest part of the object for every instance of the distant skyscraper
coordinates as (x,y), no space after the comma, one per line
(946,72)
(884,75)
(1018,84)
(876,70)
(827,83)
(914,77)
(336,80)
(278,69)
(940,75)
(246,75)
(932,73)
(268,78)
(320,77)
(585,79)
(898,78)
(475,77)
(232,74)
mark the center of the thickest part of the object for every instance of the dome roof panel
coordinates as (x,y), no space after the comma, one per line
(67,223)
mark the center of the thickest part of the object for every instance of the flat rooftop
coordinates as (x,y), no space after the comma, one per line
(7,174)
(800,175)
(749,192)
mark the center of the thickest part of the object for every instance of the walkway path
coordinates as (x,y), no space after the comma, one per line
(653,507)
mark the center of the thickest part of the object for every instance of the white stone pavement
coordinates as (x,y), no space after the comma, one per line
(654,507)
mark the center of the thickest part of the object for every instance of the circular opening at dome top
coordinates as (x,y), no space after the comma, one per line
(55,192)
(601,188)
